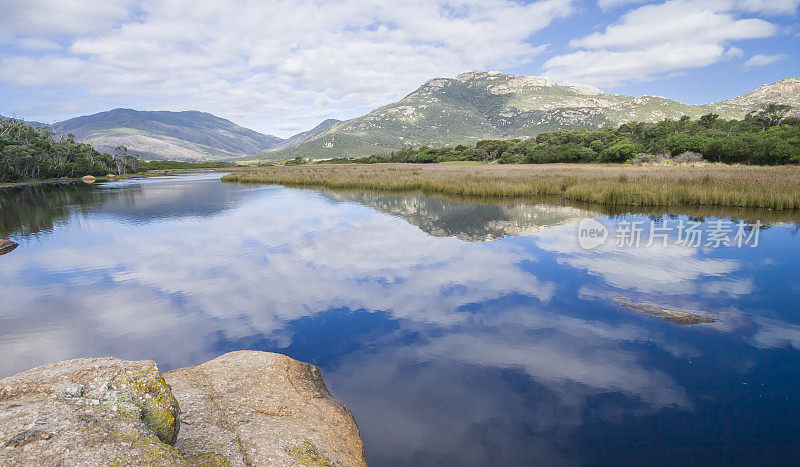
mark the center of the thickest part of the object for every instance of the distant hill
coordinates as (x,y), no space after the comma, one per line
(493,105)
(189,135)
(306,135)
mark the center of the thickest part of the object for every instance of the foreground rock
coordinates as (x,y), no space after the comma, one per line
(243,408)
(259,408)
(6,246)
(92,411)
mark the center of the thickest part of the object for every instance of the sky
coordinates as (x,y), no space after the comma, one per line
(283,66)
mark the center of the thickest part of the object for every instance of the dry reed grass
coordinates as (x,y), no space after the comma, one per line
(607,184)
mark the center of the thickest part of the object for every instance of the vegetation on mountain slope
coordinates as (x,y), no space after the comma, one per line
(766,137)
(491,105)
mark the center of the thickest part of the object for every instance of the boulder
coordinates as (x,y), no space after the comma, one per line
(6,246)
(260,408)
(88,179)
(88,411)
(243,408)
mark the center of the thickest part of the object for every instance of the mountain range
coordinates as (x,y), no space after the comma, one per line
(443,111)
(186,135)
(493,105)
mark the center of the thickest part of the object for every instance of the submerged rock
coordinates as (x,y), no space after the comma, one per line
(6,246)
(243,408)
(665,313)
(259,408)
(88,411)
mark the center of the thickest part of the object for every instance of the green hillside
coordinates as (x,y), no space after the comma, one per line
(491,105)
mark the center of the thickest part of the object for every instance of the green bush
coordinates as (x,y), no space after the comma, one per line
(678,144)
(622,150)
(30,153)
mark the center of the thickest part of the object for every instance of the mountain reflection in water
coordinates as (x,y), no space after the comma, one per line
(467,221)
(448,349)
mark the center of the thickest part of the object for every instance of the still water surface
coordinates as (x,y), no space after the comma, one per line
(458,333)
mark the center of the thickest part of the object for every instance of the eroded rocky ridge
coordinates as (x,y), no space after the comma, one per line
(243,408)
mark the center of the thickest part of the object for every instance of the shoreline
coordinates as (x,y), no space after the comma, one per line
(749,214)
(740,186)
(67,181)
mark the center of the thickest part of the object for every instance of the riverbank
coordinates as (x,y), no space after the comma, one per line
(770,187)
(55,181)
(63,181)
(242,408)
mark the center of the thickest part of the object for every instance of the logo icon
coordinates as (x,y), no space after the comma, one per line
(591,234)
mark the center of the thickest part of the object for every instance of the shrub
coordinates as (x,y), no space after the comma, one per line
(622,150)
(682,143)
(644,158)
(689,156)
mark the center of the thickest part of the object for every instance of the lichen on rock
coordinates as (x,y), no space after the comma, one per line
(243,408)
(102,410)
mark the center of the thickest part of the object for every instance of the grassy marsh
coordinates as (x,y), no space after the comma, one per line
(772,187)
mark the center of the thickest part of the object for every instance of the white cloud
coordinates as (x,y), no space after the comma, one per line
(656,40)
(277,60)
(763,60)
(49,18)
(609,4)
(611,68)
(678,22)
(29,43)
(769,7)
(734,52)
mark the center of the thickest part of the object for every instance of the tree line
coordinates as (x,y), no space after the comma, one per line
(28,153)
(769,136)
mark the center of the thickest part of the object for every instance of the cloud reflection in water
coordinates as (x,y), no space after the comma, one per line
(448,351)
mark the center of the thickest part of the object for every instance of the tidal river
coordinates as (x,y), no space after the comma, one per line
(459,333)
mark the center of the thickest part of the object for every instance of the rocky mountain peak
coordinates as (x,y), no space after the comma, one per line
(586,90)
(785,91)
(788,88)
(501,83)
(479,75)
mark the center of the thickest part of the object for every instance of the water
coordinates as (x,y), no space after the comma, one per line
(458,333)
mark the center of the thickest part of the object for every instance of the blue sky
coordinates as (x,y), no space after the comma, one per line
(282,66)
